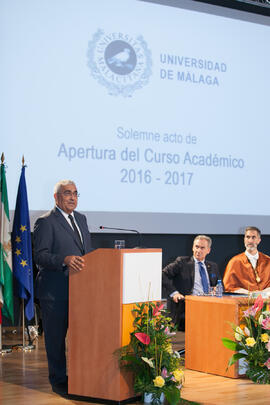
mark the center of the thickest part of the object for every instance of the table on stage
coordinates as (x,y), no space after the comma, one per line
(208,320)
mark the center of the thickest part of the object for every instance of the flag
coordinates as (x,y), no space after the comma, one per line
(22,250)
(6,278)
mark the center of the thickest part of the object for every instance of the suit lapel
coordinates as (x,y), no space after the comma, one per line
(191,264)
(62,220)
(208,266)
(80,224)
(211,274)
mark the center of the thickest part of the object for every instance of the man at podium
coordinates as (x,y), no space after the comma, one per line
(189,276)
(61,238)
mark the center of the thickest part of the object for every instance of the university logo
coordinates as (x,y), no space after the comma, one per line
(119,62)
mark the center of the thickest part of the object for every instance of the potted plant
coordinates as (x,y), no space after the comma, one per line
(252,342)
(158,370)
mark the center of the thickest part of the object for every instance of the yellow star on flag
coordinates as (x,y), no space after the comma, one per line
(23,228)
(24,263)
(18,239)
(18,252)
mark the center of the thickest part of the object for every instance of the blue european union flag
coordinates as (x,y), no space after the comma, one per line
(22,250)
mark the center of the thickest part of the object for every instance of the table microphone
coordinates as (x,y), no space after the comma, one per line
(125,230)
(118,229)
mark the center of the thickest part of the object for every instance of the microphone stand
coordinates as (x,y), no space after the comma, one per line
(125,230)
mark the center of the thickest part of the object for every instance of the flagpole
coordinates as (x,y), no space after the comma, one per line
(6,288)
(23,317)
(23,324)
(30,346)
(2,162)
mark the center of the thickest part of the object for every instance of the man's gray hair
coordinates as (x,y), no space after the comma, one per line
(253,228)
(60,184)
(207,238)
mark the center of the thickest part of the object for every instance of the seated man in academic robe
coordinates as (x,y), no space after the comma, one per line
(250,270)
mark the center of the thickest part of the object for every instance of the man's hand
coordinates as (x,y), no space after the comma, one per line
(75,263)
(177,297)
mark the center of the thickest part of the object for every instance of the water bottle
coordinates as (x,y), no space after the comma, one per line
(219,289)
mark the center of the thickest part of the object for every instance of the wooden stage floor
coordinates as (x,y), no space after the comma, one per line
(23,380)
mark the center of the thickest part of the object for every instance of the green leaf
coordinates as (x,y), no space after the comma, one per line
(259,375)
(230,344)
(235,358)
(172,395)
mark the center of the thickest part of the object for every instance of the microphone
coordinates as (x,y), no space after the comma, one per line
(118,229)
(125,230)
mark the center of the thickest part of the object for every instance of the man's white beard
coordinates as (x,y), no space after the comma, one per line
(251,249)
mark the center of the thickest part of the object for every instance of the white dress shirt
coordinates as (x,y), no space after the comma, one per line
(252,258)
(69,221)
(198,287)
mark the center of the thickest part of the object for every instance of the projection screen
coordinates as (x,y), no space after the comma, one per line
(160,114)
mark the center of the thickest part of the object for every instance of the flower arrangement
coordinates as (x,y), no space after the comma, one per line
(252,342)
(157,368)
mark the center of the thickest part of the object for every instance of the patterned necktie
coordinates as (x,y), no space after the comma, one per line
(75,229)
(203,278)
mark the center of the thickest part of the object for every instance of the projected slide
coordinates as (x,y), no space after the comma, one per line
(152,110)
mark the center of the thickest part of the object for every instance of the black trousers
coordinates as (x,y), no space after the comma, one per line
(55,325)
(177,312)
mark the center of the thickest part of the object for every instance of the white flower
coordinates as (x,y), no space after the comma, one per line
(238,334)
(238,337)
(168,332)
(264,314)
(148,361)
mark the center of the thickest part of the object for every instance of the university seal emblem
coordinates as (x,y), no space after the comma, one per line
(119,62)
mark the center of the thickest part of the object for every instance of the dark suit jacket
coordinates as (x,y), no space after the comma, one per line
(179,276)
(54,239)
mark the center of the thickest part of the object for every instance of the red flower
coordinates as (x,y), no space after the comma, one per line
(157,309)
(258,304)
(143,337)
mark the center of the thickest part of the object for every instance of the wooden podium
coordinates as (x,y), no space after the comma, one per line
(100,301)
(208,320)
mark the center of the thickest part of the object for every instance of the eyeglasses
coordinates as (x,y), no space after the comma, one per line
(69,193)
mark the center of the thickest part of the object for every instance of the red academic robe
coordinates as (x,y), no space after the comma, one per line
(239,273)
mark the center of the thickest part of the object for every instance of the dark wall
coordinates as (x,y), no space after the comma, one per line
(223,248)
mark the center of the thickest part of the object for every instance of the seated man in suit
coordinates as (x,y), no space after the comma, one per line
(61,238)
(250,270)
(189,276)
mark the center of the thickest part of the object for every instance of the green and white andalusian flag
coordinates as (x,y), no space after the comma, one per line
(6,277)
